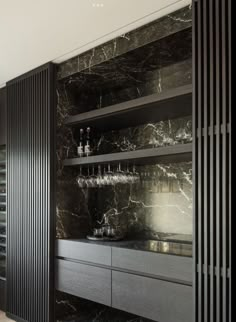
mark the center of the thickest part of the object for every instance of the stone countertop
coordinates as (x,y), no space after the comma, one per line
(161,247)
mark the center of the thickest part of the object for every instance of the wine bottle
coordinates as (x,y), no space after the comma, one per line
(80,148)
(87,148)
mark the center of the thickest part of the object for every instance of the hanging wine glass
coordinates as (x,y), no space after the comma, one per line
(135,176)
(92,179)
(108,176)
(81,179)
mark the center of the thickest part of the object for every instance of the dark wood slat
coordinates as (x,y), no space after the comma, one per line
(174,153)
(206,154)
(224,163)
(218,163)
(157,107)
(195,168)
(230,147)
(212,163)
(200,168)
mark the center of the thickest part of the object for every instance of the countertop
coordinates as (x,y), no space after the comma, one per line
(162,247)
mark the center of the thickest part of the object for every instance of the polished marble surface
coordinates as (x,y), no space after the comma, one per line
(157,30)
(162,247)
(73,309)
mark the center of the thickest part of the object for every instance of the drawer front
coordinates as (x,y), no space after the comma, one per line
(97,254)
(89,282)
(153,299)
(168,266)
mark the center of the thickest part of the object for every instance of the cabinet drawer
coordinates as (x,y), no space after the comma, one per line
(153,299)
(87,252)
(89,282)
(168,266)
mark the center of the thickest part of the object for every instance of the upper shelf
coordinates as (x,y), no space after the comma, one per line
(176,153)
(158,107)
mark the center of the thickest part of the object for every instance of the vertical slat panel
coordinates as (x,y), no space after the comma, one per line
(224,161)
(195,158)
(200,166)
(230,146)
(212,160)
(205,112)
(31,154)
(218,161)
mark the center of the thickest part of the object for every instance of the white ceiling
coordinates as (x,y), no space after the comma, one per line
(33,32)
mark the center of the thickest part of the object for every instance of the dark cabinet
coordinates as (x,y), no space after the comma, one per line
(3,117)
(152,298)
(2,295)
(86,281)
(152,285)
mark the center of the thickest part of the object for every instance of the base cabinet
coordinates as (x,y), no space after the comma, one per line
(151,298)
(151,285)
(89,282)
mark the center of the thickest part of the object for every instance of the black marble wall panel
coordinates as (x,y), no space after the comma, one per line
(154,68)
(161,28)
(73,309)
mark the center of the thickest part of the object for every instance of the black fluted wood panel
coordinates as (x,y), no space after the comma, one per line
(31,201)
(212,159)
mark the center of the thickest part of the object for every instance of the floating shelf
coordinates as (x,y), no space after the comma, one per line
(176,153)
(154,108)
(2,163)
(3,236)
(3,171)
(3,224)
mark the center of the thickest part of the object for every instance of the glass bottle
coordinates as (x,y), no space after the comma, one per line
(80,148)
(87,148)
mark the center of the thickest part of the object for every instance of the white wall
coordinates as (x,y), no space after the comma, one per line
(33,32)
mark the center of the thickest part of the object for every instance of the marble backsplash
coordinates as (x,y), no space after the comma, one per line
(151,135)
(160,204)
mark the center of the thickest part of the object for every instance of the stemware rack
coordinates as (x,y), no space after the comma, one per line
(3,213)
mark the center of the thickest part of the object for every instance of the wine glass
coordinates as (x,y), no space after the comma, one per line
(108,176)
(81,179)
(100,177)
(92,179)
(135,176)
